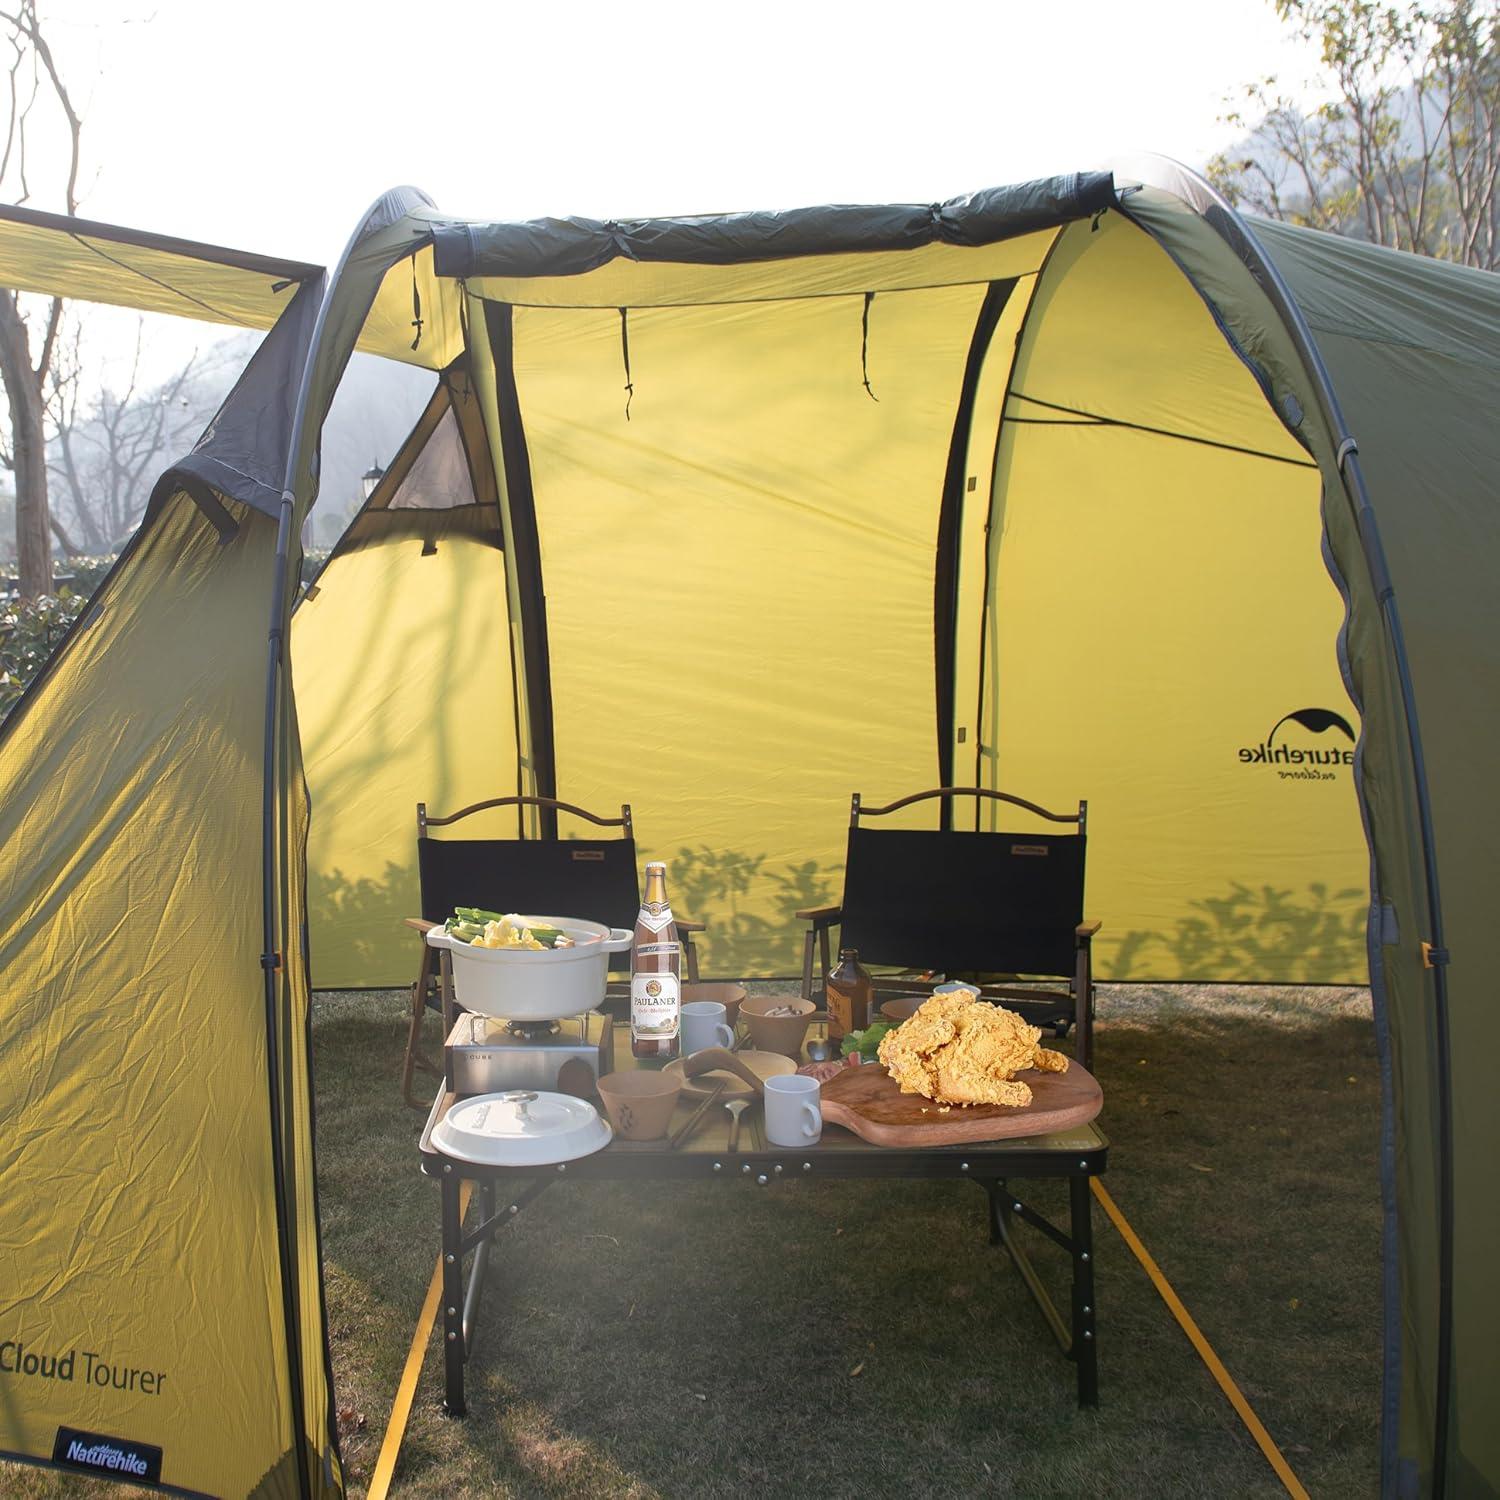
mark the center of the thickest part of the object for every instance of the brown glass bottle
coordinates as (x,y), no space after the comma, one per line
(851,995)
(655,974)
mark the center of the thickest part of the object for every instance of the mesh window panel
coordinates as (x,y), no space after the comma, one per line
(439,475)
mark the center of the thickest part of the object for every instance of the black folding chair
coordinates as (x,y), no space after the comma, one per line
(595,879)
(966,903)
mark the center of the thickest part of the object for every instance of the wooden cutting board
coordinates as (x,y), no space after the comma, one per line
(867,1101)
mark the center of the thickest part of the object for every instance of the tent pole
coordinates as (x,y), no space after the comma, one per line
(380,214)
(271,962)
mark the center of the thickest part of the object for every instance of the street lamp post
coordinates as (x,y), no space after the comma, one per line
(370,479)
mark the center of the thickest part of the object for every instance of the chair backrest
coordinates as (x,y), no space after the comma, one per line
(591,878)
(989,902)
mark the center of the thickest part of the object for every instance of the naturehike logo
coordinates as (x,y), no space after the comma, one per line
(95,1453)
(1303,762)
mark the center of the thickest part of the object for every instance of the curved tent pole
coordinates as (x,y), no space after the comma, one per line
(1231,226)
(272,958)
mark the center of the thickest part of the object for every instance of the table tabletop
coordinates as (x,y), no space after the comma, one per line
(705,1151)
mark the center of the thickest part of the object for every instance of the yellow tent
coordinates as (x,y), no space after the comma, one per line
(1048,489)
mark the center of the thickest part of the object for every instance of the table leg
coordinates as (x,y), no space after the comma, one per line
(453,1298)
(999,1204)
(1085,1351)
(478,1270)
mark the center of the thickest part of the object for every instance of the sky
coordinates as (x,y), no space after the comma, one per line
(270,126)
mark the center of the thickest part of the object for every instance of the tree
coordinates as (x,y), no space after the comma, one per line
(34,78)
(105,453)
(1406,152)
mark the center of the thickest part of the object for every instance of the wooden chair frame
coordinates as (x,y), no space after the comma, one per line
(1080,991)
(435,971)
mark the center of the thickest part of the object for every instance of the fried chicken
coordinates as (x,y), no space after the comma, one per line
(959,1049)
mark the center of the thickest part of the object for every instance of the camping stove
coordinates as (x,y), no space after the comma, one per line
(487,1056)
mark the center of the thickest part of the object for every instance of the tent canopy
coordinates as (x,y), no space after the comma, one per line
(1068,489)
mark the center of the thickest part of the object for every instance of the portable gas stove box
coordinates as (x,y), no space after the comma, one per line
(484,1055)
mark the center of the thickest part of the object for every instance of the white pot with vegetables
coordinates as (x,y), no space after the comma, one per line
(527,968)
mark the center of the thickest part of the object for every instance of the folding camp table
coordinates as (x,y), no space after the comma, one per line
(1076,1154)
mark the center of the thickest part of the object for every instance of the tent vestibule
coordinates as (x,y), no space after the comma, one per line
(1067,490)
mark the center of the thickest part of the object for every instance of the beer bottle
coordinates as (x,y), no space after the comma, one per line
(850,993)
(655,973)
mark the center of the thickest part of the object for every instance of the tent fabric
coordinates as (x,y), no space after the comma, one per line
(137,1229)
(795,518)
(426,626)
(241,453)
(753,442)
(760,511)
(1203,864)
(1408,344)
(1408,392)
(59,256)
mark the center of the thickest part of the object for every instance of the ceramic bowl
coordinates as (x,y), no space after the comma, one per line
(730,996)
(781,1034)
(903,1009)
(639,1103)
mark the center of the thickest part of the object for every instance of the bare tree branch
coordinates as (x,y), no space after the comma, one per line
(34,71)
(1406,152)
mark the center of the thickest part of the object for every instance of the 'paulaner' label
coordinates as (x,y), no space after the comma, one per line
(655,1008)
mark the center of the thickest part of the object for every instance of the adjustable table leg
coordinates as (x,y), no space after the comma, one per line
(999,1206)
(1085,1351)
(453,1298)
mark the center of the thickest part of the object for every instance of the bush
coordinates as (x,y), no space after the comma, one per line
(82,574)
(28,634)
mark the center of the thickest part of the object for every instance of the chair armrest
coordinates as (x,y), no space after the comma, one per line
(419,924)
(1086,930)
(683,925)
(820,916)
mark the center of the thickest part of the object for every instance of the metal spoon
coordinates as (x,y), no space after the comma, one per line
(736,1108)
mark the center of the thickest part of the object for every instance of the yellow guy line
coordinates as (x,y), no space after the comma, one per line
(390,1447)
(395,1430)
(1195,1336)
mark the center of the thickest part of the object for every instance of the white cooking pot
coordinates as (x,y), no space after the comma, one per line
(534,984)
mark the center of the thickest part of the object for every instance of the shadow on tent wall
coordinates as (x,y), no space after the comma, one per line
(1248,932)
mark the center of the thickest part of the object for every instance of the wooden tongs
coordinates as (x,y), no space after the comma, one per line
(720,1060)
(713,1060)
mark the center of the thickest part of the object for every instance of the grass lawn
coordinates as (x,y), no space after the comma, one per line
(700,1340)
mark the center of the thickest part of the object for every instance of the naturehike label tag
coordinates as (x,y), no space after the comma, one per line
(119,1458)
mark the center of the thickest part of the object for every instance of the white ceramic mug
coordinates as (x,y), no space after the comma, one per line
(793,1114)
(703,1025)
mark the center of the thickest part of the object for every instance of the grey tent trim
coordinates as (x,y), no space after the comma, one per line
(570,247)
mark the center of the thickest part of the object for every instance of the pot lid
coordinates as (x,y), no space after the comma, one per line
(521,1128)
